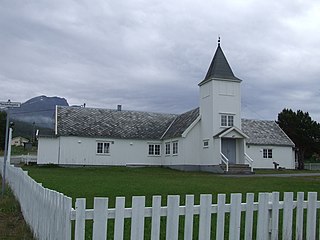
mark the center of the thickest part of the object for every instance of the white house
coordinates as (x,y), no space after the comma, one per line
(212,137)
(19,141)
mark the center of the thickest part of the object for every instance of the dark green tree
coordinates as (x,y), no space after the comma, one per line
(3,119)
(303,131)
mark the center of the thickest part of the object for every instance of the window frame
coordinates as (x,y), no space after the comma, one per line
(226,120)
(104,149)
(175,148)
(167,148)
(154,149)
(205,143)
(267,153)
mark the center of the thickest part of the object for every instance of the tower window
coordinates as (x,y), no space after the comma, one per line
(227,120)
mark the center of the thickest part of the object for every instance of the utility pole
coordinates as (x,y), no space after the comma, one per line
(7,105)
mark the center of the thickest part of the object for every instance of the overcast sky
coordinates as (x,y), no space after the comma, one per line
(150,55)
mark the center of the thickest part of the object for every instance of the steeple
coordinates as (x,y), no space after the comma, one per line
(219,67)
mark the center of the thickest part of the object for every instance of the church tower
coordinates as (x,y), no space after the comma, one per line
(220,110)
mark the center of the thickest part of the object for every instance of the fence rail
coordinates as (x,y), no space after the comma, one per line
(50,215)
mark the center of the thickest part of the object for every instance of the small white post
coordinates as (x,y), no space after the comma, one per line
(9,146)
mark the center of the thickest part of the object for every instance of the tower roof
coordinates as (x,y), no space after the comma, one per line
(219,68)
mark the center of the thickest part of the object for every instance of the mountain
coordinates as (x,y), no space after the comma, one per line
(39,110)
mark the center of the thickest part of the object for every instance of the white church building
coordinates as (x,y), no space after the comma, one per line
(212,137)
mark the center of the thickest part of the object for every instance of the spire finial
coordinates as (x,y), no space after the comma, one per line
(219,40)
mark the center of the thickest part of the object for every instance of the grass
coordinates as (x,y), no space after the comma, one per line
(120,181)
(111,182)
(12,224)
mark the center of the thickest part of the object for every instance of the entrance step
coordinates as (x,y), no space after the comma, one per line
(237,169)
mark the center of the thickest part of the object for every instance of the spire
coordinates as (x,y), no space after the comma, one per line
(219,67)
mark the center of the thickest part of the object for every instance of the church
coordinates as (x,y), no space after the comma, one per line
(212,137)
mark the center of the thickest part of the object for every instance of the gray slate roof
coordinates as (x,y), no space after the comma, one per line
(219,68)
(94,122)
(263,132)
(181,123)
(109,123)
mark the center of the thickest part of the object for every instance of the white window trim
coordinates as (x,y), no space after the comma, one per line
(154,150)
(268,150)
(205,141)
(177,149)
(103,147)
(227,115)
(165,148)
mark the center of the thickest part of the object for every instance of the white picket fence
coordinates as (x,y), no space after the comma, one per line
(238,216)
(47,212)
(50,215)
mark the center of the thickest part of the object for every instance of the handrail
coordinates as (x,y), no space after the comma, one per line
(225,160)
(249,160)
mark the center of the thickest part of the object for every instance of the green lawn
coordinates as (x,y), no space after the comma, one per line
(120,181)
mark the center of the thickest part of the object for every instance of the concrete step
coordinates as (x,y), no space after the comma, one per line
(237,169)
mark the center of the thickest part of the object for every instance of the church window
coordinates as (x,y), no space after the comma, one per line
(267,153)
(154,150)
(227,120)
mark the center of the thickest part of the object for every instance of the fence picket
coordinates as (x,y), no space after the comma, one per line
(235,216)
(299,216)
(287,215)
(205,216)
(119,218)
(80,219)
(263,221)
(137,220)
(188,220)
(172,217)
(155,219)
(275,216)
(100,218)
(249,216)
(221,216)
(311,216)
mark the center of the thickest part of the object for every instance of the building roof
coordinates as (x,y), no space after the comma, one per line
(94,122)
(263,132)
(181,123)
(109,123)
(219,68)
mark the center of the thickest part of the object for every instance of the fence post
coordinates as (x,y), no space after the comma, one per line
(235,216)
(188,218)
(119,218)
(299,216)
(205,216)
(67,220)
(172,217)
(263,221)
(275,216)
(221,216)
(287,215)
(80,219)
(249,216)
(100,218)
(137,220)
(156,212)
(311,215)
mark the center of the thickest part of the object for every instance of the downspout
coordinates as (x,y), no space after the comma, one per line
(59,152)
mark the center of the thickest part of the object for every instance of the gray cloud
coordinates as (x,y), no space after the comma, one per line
(150,55)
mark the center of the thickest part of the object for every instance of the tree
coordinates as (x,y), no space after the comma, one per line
(3,119)
(303,131)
